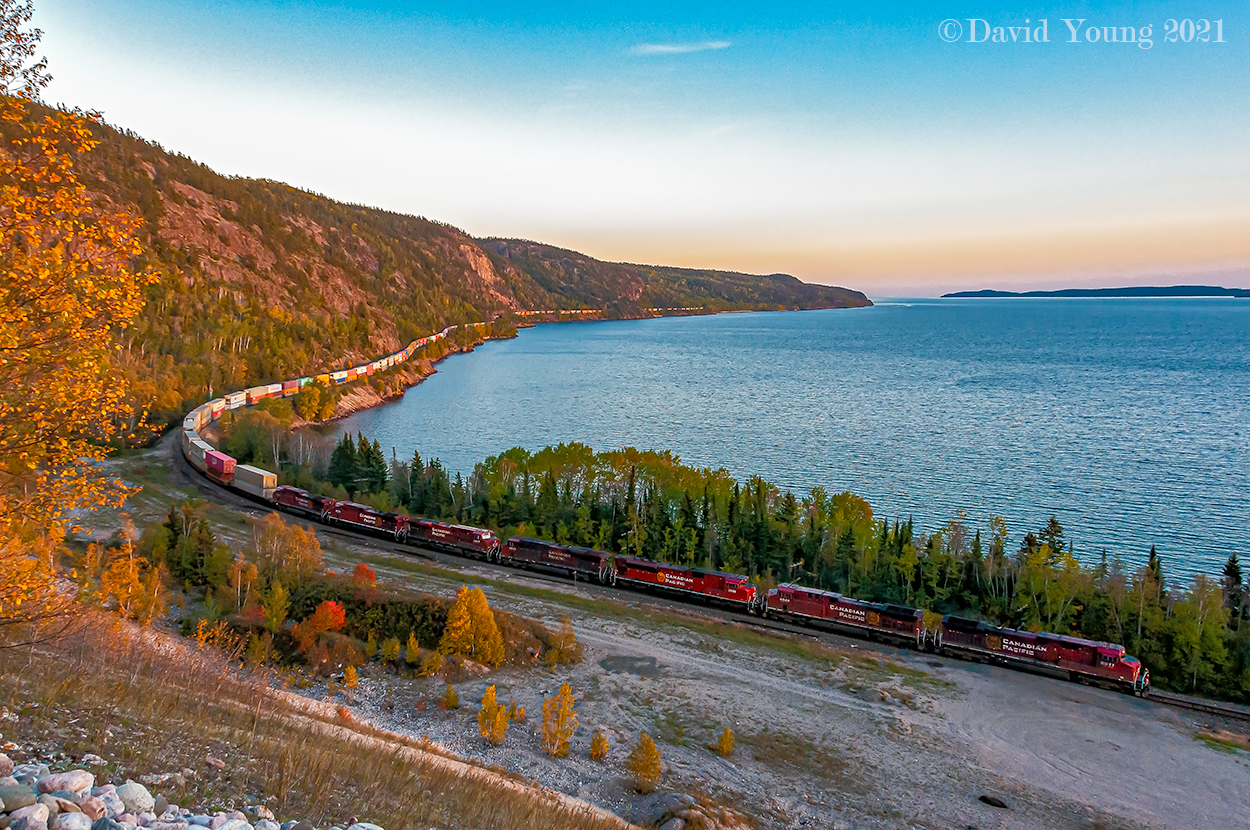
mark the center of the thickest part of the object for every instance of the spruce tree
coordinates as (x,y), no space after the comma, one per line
(342,469)
(1234,592)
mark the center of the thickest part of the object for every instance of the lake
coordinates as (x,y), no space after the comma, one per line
(1127,418)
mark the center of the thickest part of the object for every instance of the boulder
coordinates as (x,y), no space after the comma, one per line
(65,805)
(49,802)
(105,823)
(653,809)
(93,760)
(73,781)
(27,823)
(113,805)
(304,825)
(92,807)
(266,824)
(994,801)
(73,821)
(36,771)
(235,824)
(364,825)
(39,812)
(673,824)
(161,805)
(6,766)
(16,796)
(136,798)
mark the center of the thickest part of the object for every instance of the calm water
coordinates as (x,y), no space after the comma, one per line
(1130,419)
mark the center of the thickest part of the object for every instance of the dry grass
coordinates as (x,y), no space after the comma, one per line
(150,704)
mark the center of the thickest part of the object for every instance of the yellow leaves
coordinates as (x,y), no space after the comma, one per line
(471,629)
(492,719)
(559,722)
(598,746)
(725,743)
(645,764)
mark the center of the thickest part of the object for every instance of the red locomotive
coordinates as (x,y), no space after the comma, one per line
(880,618)
(295,500)
(1082,659)
(732,588)
(360,515)
(474,541)
(595,564)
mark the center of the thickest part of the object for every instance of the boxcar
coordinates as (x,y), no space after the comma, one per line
(596,564)
(473,541)
(733,588)
(1081,659)
(220,467)
(360,515)
(828,606)
(295,500)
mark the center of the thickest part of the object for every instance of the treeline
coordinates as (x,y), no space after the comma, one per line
(1190,634)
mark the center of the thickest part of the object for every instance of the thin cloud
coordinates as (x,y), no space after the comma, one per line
(679,48)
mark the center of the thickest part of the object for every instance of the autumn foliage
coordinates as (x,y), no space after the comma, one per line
(645,764)
(598,746)
(493,718)
(471,629)
(559,722)
(329,616)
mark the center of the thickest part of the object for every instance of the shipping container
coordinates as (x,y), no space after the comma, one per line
(302,382)
(197,452)
(324,380)
(216,407)
(255,476)
(256,394)
(273,390)
(290,388)
(339,377)
(220,466)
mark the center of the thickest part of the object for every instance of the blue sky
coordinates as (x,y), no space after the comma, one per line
(845,143)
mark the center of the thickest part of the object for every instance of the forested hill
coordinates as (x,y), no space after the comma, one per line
(631,289)
(261,281)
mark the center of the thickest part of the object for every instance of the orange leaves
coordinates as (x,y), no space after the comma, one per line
(559,722)
(329,616)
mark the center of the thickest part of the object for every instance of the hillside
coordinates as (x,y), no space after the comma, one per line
(259,280)
(1130,291)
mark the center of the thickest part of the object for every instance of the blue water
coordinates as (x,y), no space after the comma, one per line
(1129,419)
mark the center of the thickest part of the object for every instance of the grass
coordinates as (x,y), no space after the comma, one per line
(1224,741)
(800,754)
(151,705)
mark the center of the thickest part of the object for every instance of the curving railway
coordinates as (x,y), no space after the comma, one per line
(1085,661)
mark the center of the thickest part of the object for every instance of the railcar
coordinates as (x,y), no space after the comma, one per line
(894,621)
(236,399)
(726,587)
(1082,660)
(255,482)
(215,407)
(219,467)
(290,388)
(462,539)
(575,561)
(295,500)
(394,525)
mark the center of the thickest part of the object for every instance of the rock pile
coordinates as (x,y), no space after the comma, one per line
(32,797)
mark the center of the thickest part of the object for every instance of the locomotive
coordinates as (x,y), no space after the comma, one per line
(1077,659)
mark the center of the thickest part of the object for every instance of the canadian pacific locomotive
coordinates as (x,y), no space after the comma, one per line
(1083,660)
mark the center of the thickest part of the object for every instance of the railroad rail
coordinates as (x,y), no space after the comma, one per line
(1232,711)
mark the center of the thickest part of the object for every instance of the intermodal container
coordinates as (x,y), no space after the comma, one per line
(289,388)
(256,393)
(216,407)
(220,466)
(253,480)
(236,399)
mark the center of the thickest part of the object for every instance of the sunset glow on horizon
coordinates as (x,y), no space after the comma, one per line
(851,146)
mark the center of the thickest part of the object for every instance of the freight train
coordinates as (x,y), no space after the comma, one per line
(1080,660)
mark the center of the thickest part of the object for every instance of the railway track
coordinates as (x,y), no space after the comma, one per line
(1211,708)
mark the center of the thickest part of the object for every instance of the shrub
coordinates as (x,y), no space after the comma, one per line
(371,646)
(559,722)
(598,746)
(725,743)
(412,652)
(390,650)
(645,764)
(350,678)
(449,700)
(563,648)
(431,664)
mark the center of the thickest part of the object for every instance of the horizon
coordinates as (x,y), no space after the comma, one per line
(855,148)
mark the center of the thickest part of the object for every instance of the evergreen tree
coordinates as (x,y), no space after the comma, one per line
(342,469)
(1234,591)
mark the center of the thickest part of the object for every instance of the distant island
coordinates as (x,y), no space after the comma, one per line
(1132,291)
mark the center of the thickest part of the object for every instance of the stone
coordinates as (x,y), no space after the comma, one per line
(215,822)
(65,805)
(136,797)
(16,796)
(673,824)
(652,809)
(201,820)
(994,801)
(49,802)
(39,812)
(92,807)
(304,825)
(266,824)
(288,824)
(66,795)
(93,760)
(215,763)
(27,823)
(6,766)
(235,824)
(36,770)
(73,781)
(261,811)
(113,805)
(161,805)
(168,824)
(364,825)
(73,821)
(105,823)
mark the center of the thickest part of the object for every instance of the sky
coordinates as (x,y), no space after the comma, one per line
(885,147)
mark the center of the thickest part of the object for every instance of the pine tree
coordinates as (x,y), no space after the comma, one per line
(492,719)
(598,746)
(458,632)
(342,469)
(645,764)
(559,722)
(487,641)
(449,700)
(1234,592)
